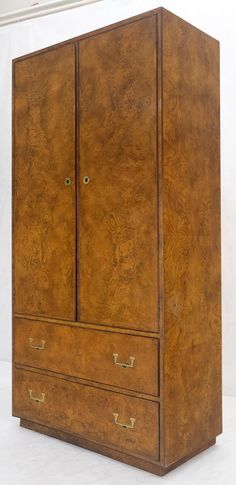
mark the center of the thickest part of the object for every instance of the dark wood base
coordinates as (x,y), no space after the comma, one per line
(146,465)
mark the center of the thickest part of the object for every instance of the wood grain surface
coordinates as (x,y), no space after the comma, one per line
(191,197)
(88,412)
(128,263)
(44,208)
(88,354)
(118,208)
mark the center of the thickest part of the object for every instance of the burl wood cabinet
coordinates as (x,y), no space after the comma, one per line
(116,241)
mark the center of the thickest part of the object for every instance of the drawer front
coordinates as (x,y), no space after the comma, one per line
(92,413)
(89,354)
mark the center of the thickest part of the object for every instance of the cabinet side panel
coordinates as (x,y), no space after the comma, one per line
(44,207)
(118,207)
(192,295)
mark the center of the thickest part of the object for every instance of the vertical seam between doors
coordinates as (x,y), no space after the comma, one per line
(77,312)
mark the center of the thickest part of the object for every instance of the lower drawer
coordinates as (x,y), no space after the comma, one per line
(126,423)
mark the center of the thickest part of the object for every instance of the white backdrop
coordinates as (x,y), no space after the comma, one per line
(28,36)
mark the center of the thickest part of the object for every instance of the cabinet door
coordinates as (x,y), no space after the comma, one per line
(118,177)
(44,206)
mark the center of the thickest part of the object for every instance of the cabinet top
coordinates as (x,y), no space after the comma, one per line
(162,12)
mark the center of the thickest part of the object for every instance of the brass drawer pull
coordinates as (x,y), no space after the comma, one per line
(39,346)
(125,426)
(37,399)
(123,364)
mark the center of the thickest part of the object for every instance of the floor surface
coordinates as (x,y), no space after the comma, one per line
(28,458)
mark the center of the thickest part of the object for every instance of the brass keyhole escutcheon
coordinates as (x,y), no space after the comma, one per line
(86,179)
(67,181)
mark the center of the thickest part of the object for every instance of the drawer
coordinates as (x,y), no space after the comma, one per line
(92,413)
(89,354)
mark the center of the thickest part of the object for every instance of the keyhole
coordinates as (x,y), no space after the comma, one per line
(67,181)
(86,179)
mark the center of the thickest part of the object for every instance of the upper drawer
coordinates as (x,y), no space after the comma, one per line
(89,354)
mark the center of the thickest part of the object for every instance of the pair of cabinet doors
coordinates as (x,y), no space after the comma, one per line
(85,180)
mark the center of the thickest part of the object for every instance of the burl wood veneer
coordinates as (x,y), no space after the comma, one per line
(116,241)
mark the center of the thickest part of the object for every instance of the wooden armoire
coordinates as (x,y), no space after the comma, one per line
(116,241)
